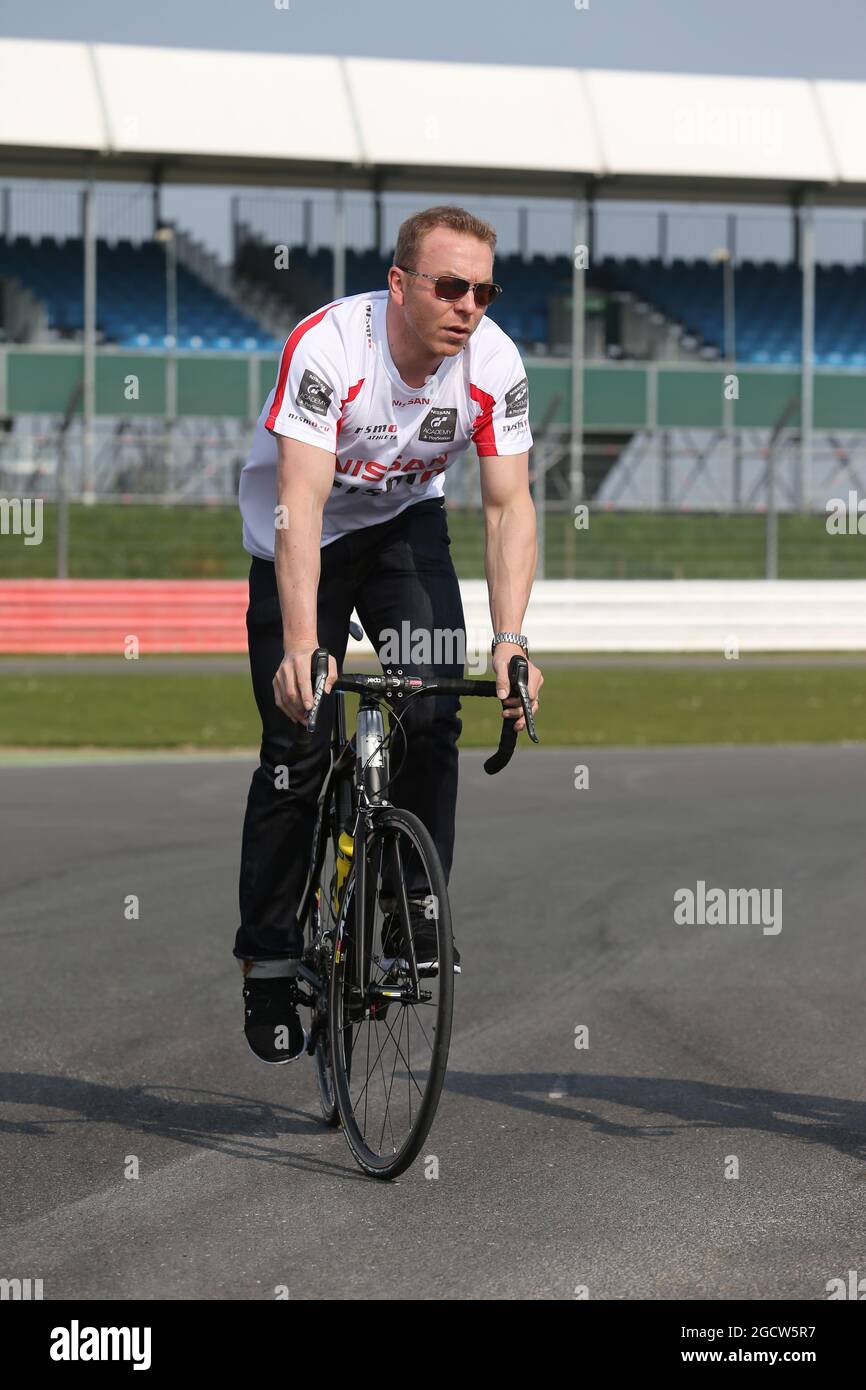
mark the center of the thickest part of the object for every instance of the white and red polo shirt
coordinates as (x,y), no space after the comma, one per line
(338,388)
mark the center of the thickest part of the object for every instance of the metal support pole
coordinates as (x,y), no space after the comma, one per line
(171,328)
(523,231)
(724,256)
(378,220)
(308,224)
(732,236)
(339,244)
(62,567)
(578,344)
(663,237)
(728,406)
(730,325)
(540,499)
(666,465)
(771,568)
(236,230)
(171,290)
(7,213)
(807,215)
(88,480)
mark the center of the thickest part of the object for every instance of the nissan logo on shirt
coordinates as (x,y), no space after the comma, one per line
(439,426)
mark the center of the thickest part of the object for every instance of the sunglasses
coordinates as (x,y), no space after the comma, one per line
(451,287)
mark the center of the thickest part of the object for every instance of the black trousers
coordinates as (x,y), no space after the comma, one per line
(396,573)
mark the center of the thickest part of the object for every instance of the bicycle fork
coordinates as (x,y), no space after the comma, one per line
(371,778)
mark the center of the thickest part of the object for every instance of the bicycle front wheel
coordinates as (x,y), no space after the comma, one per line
(390,1031)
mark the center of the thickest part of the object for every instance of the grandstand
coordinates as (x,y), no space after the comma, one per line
(768,306)
(688,296)
(132,308)
(627,359)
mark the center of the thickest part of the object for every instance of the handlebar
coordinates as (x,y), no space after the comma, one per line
(388,686)
(518,676)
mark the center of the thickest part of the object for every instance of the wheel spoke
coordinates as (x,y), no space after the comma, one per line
(387,1114)
(397,1051)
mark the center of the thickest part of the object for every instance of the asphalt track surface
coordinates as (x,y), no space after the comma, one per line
(602,1168)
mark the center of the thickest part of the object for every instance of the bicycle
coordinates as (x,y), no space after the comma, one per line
(381,1007)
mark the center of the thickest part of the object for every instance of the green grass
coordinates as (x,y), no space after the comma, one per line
(580,708)
(652,545)
(111,540)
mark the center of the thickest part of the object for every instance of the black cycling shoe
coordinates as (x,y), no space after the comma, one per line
(271,1023)
(423,939)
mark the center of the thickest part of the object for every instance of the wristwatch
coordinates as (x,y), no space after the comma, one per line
(517,639)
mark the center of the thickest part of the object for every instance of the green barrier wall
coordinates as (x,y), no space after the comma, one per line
(617,396)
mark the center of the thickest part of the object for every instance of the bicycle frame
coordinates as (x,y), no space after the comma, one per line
(369,779)
(371,776)
(336,781)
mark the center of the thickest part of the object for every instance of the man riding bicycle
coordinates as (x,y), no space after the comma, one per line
(342,504)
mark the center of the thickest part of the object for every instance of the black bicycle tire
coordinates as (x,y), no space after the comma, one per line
(377,1166)
(324,1086)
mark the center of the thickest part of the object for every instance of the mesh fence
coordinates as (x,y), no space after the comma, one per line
(173,539)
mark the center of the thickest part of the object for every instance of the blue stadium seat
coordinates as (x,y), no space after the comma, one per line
(131,302)
(131,292)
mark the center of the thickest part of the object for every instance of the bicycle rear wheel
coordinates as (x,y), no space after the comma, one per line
(389,1044)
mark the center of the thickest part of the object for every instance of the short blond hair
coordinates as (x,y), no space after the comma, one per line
(416,227)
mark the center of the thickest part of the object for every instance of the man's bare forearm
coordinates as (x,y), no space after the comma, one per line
(509,561)
(304,476)
(297,560)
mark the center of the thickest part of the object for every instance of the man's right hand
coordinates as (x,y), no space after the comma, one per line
(293,691)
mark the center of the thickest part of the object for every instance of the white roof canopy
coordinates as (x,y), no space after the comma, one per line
(112,111)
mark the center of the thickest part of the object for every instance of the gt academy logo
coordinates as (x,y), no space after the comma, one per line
(439,426)
(517,399)
(314,394)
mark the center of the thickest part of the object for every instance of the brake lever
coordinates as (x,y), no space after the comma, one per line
(318,676)
(518,672)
